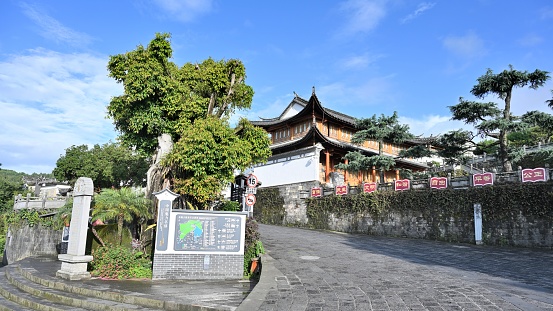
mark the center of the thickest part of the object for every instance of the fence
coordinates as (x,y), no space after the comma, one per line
(30,202)
(461,182)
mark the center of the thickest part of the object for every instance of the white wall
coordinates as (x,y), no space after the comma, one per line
(289,169)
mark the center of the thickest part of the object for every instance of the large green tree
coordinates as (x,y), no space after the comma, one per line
(380,129)
(487,118)
(188,107)
(108,165)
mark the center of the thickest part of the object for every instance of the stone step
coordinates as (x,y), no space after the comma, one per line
(18,279)
(20,300)
(8,305)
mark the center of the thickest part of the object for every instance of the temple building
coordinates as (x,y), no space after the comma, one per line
(308,140)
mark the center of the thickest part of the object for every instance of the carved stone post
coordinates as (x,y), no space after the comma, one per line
(74,263)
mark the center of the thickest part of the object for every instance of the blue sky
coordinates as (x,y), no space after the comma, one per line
(363,57)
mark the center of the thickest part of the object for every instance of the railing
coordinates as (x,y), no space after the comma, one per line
(30,202)
(461,182)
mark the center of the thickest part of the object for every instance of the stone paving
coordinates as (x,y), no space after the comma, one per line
(321,270)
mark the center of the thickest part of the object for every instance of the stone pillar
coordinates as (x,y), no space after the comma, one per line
(74,263)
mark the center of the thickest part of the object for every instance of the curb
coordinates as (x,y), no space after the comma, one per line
(267,282)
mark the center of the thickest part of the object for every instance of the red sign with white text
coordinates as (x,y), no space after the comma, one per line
(316,192)
(438,182)
(533,175)
(482,179)
(402,184)
(341,190)
(369,187)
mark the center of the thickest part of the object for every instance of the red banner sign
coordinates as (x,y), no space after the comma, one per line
(438,182)
(369,187)
(403,184)
(341,190)
(482,179)
(533,175)
(316,192)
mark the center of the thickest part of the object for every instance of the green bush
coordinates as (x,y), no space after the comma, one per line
(117,262)
(253,247)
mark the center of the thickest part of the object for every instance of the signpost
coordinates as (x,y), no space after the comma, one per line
(482,179)
(341,190)
(402,184)
(533,175)
(316,192)
(438,182)
(252,181)
(369,187)
(250,199)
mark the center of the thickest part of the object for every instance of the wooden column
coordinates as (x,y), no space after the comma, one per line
(327,166)
(397,174)
(346,172)
(373,173)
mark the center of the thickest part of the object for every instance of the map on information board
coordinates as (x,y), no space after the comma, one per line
(208,233)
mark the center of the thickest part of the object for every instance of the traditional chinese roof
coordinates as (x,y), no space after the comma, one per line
(314,136)
(309,107)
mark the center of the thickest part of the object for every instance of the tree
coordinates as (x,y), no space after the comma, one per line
(379,129)
(540,127)
(109,165)
(487,117)
(164,106)
(121,205)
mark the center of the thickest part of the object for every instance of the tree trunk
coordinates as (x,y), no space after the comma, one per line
(503,142)
(157,175)
(120,229)
(97,236)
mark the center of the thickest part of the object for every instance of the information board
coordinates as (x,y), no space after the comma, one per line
(208,233)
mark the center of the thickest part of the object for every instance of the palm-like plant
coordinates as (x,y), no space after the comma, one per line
(120,205)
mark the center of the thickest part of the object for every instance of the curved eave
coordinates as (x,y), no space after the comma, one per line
(310,107)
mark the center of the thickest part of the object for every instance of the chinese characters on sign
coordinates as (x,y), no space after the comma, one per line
(438,182)
(341,190)
(533,175)
(207,233)
(402,184)
(482,179)
(316,192)
(163,224)
(369,187)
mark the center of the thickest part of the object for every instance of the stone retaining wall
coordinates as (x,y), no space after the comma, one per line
(26,241)
(518,229)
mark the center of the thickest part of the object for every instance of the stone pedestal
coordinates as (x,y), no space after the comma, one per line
(74,263)
(73,268)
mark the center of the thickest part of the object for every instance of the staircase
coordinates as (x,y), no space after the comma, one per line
(22,287)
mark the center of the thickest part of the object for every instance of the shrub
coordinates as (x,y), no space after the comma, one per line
(253,247)
(118,262)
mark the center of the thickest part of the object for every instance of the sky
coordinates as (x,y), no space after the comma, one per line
(363,58)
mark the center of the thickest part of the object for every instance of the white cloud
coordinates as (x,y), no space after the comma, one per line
(51,101)
(358,61)
(363,16)
(53,30)
(530,40)
(469,46)
(421,8)
(347,96)
(432,125)
(546,13)
(185,10)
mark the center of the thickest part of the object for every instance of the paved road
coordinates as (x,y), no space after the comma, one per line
(334,271)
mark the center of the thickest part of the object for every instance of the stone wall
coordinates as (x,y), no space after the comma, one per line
(293,196)
(26,241)
(198,266)
(515,226)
